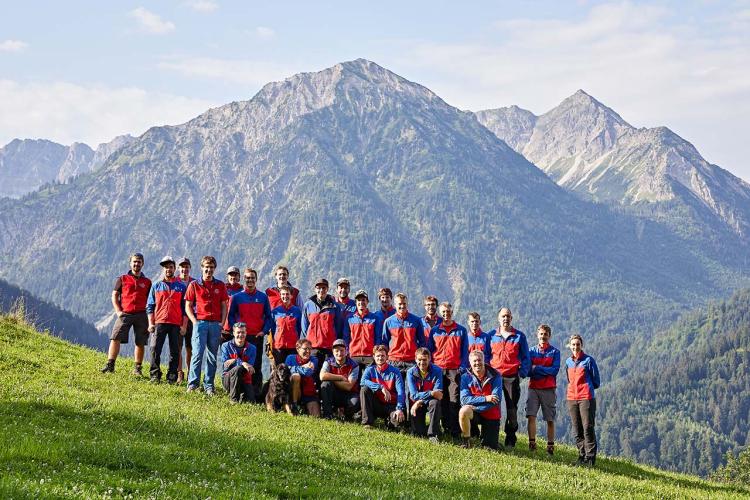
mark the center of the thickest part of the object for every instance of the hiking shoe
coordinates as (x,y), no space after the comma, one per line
(138,371)
(550,449)
(180,377)
(579,462)
(532,445)
(192,388)
(155,380)
(109,367)
(210,392)
(466,443)
(433,440)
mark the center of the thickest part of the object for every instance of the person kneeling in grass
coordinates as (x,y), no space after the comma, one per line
(425,383)
(304,369)
(583,378)
(545,364)
(237,359)
(481,393)
(382,393)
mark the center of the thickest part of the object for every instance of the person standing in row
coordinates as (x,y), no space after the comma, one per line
(545,364)
(448,344)
(583,378)
(403,334)
(510,357)
(385,296)
(186,336)
(478,340)
(166,320)
(286,326)
(346,305)
(281,273)
(129,297)
(250,306)
(320,323)
(233,281)
(430,318)
(362,331)
(206,306)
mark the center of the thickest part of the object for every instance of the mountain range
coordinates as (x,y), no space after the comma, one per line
(28,164)
(355,171)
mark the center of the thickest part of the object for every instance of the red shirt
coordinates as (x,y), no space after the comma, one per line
(207,296)
(133,292)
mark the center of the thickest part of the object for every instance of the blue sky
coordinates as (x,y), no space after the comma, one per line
(87,71)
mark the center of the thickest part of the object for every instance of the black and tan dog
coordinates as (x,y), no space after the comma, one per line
(279,392)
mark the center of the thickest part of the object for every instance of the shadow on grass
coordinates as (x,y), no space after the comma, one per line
(99,450)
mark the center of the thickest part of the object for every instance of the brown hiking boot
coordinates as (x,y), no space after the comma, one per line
(532,444)
(550,449)
(138,371)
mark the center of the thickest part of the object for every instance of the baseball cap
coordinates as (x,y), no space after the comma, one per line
(338,343)
(167,259)
(343,281)
(321,281)
(233,269)
(361,293)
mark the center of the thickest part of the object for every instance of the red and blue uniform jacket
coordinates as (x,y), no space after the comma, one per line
(362,333)
(375,378)
(449,346)
(133,292)
(481,342)
(252,309)
(274,298)
(207,297)
(474,390)
(233,290)
(320,322)
(426,326)
(384,315)
(286,326)
(346,308)
(403,336)
(350,370)
(545,364)
(510,356)
(308,376)
(420,388)
(583,377)
(245,353)
(165,301)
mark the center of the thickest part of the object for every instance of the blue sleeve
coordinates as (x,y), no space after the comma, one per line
(223,356)
(252,352)
(373,386)
(298,323)
(268,324)
(594,373)
(525,358)
(400,392)
(421,342)
(378,331)
(346,334)
(465,350)
(272,326)
(414,394)
(430,344)
(497,388)
(467,398)
(385,338)
(151,303)
(305,323)
(439,381)
(232,315)
(305,372)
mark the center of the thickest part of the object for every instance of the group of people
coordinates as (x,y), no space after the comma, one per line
(346,361)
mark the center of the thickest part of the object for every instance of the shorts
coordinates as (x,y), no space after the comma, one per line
(546,399)
(309,399)
(139,323)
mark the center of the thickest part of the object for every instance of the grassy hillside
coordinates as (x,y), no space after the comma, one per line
(69,431)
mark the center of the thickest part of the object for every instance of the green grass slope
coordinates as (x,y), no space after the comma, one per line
(69,431)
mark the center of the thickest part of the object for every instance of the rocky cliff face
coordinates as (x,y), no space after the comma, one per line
(588,148)
(27,164)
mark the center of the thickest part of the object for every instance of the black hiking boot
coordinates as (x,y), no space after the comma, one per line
(109,367)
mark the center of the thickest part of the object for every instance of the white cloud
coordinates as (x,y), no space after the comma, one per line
(242,71)
(265,33)
(12,46)
(203,5)
(66,112)
(650,65)
(150,22)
